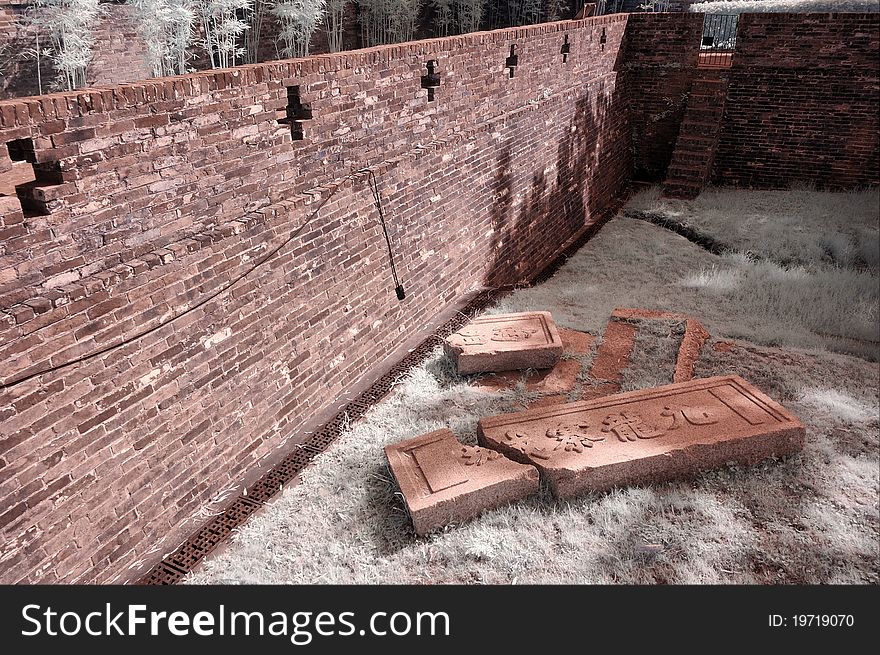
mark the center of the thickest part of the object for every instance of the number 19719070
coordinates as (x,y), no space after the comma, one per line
(811,620)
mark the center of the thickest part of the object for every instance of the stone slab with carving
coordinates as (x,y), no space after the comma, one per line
(443,481)
(646,436)
(505,342)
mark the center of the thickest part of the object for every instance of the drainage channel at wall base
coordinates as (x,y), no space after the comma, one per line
(206,539)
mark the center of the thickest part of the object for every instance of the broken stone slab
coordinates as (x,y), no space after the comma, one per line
(443,481)
(505,342)
(560,379)
(646,436)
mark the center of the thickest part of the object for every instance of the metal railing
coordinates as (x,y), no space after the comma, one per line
(719,40)
(633,6)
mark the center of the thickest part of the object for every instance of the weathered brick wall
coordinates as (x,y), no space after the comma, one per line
(802,102)
(152,198)
(119,52)
(10,50)
(661,63)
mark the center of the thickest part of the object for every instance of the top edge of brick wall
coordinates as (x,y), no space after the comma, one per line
(772,15)
(31,110)
(813,42)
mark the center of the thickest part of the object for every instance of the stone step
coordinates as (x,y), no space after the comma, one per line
(708,92)
(688,176)
(691,158)
(700,128)
(687,170)
(703,114)
(696,182)
(705,105)
(647,436)
(695,143)
(681,189)
(708,83)
(710,89)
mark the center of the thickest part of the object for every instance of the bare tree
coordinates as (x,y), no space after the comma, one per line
(443,16)
(524,12)
(69,27)
(166,26)
(405,18)
(298,20)
(37,52)
(255,19)
(334,23)
(468,14)
(388,21)
(223,28)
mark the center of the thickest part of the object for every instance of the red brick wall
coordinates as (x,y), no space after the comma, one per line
(802,102)
(152,197)
(120,53)
(660,66)
(12,44)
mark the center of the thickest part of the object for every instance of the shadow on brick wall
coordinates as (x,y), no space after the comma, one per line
(520,245)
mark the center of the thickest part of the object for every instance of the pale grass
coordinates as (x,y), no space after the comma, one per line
(798,227)
(784,6)
(812,518)
(837,403)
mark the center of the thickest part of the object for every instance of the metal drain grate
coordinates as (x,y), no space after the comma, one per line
(175,566)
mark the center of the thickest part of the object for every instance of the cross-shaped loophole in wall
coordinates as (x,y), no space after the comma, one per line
(512,61)
(432,80)
(566,50)
(295,113)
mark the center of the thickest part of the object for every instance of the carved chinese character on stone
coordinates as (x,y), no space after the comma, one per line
(471,339)
(573,437)
(684,414)
(444,481)
(629,426)
(527,444)
(477,456)
(513,333)
(505,342)
(718,420)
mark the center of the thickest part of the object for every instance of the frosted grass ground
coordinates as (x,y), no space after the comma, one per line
(808,519)
(785,6)
(803,270)
(802,227)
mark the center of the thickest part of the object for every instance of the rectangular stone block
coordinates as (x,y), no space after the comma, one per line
(443,481)
(646,436)
(505,342)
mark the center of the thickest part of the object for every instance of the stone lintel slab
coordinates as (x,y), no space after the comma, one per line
(646,436)
(505,342)
(444,481)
